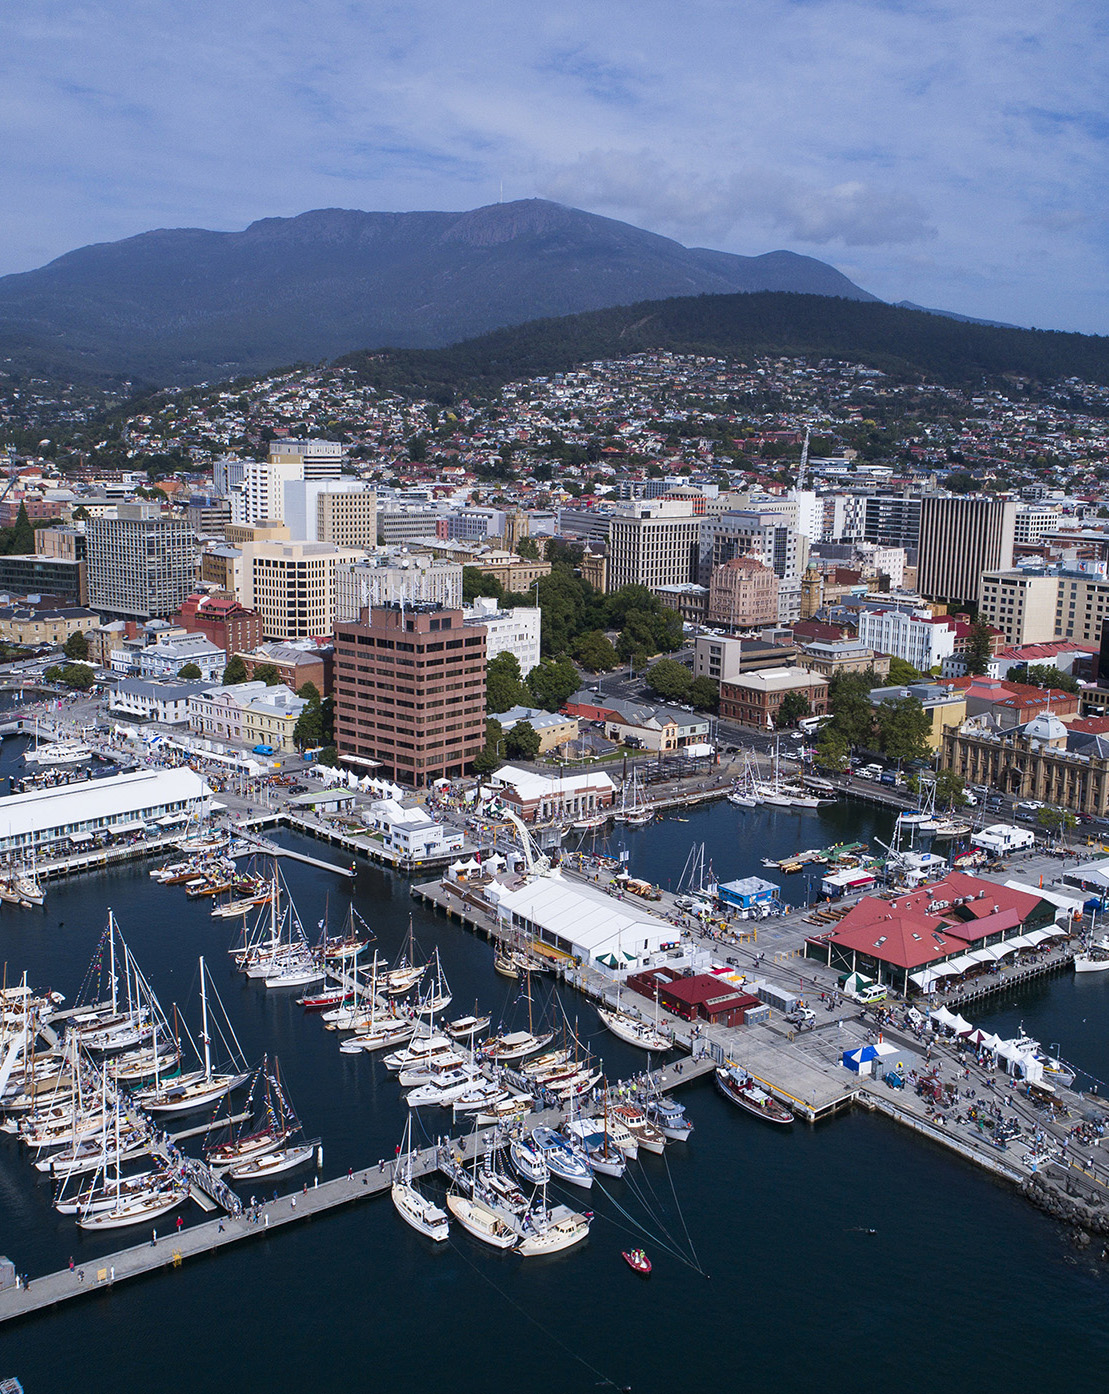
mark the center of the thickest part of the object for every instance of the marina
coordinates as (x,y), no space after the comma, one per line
(357,1118)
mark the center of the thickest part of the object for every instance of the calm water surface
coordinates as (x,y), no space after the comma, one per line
(962,1286)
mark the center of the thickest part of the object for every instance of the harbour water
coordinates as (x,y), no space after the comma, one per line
(851,1254)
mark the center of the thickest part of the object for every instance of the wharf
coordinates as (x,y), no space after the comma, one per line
(366,845)
(271,849)
(171,1250)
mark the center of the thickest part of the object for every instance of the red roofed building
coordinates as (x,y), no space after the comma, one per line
(229,625)
(890,939)
(1013,703)
(698,997)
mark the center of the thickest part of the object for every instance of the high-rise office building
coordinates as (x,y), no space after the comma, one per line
(410,692)
(652,544)
(140,565)
(292,585)
(960,538)
(341,511)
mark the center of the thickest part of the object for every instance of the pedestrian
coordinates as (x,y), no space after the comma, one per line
(112,1277)
(71,1263)
(153,1237)
(221,1227)
(294,1202)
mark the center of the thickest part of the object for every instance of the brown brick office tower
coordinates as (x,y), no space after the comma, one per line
(410,691)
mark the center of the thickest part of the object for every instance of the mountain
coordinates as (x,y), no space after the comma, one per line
(954,314)
(184,305)
(908,344)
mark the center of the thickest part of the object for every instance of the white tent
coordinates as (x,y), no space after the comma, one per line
(960,964)
(1037,936)
(961,1026)
(942,1017)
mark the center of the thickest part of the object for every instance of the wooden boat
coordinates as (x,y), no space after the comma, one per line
(640,1127)
(273,1163)
(414,1208)
(634,1031)
(637,1261)
(482,1222)
(746,1094)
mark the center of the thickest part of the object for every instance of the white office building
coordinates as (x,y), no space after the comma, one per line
(917,636)
(514,631)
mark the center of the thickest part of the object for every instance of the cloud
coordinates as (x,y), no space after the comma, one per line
(850,129)
(855,213)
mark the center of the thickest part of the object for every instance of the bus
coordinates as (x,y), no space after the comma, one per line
(809,724)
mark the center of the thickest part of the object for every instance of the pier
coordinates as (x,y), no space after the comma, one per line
(271,849)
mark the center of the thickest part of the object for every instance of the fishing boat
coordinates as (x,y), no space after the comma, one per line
(483,1223)
(741,1089)
(670,1117)
(411,1205)
(640,1127)
(637,1261)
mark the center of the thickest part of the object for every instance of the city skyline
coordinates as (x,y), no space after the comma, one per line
(929,151)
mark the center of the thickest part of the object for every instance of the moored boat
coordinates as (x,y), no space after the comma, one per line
(738,1086)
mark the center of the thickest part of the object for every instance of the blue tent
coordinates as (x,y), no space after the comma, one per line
(859,1060)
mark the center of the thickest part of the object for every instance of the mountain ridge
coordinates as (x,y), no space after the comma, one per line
(179,305)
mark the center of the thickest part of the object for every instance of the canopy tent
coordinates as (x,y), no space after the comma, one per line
(1037,936)
(1054,931)
(942,1017)
(860,1061)
(962,964)
(467,866)
(989,953)
(80,837)
(854,982)
(961,1026)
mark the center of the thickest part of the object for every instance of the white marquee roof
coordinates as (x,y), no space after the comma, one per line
(119,795)
(594,923)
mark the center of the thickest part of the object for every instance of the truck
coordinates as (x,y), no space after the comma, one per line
(633,886)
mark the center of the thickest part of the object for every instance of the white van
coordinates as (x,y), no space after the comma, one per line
(871,993)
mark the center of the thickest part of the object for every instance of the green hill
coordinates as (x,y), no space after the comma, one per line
(914,344)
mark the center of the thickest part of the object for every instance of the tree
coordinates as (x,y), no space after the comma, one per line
(504,687)
(527,548)
(552,681)
(1044,675)
(328,756)
(54,673)
(831,750)
(903,729)
(979,648)
(704,694)
(267,673)
(794,706)
(488,758)
(1055,819)
(78,676)
(310,692)
(669,680)
(235,671)
(595,651)
(852,713)
(308,731)
(22,540)
(188,671)
(903,673)
(475,583)
(949,789)
(522,742)
(76,646)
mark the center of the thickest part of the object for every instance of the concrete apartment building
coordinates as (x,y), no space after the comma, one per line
(262,491)
(1022,604)
(292,585)
(743,593)
(918,637)
(892,520)
(410,692)
(653,543)
(340,511)
(140,565)
(514,631)
(960,538)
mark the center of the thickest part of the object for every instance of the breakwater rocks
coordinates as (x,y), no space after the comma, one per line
(1085,1214)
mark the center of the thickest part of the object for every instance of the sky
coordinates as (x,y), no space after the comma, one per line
(950,154)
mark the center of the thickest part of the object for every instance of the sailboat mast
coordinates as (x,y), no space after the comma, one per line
(112,957)
(204,1023)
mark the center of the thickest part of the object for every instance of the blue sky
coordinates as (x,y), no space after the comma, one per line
(952,154)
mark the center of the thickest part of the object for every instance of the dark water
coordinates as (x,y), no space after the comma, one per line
(962,1286)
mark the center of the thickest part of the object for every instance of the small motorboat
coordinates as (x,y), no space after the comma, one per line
(638,1262)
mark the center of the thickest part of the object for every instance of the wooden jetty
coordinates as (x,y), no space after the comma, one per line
(271,849)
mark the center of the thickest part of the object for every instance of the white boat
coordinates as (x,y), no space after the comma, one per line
(1092,960)
(634,1031)
(529,1160)
(275,1162)
(58,753)
(135,1210)
(640,1127)
(464,1028)
(670,1117)
(561,1230)
(198,1088)
(515,1045)
(590,824)
(604,1157)
(565,1160)
(411,1205)
(483,1223)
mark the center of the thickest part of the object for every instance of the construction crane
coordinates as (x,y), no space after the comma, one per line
(804,461)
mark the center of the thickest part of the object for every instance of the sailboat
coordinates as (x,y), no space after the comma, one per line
(743,793)
(407,971)
(634,809)
(130,1206)
(270,1121)
(411,1205)
(202,1087)
(438,996)
(126,1018)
